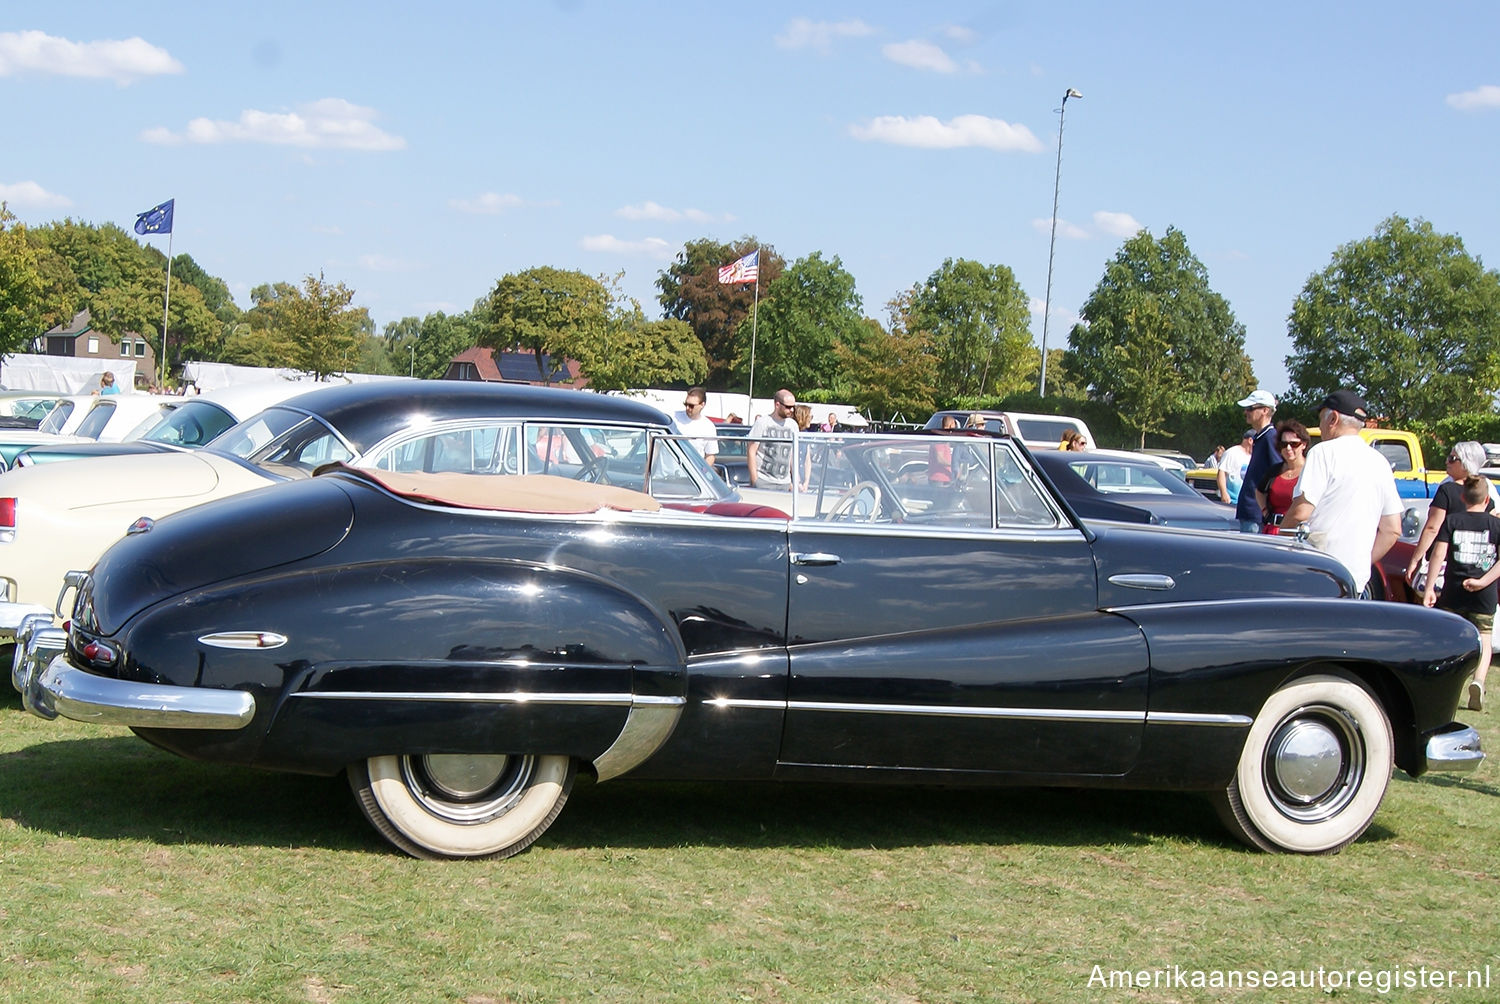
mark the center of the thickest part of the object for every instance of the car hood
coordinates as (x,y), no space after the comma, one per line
(145,568)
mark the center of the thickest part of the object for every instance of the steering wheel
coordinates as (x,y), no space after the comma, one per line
(861,501)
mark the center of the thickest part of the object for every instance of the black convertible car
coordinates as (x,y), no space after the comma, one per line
(463,644)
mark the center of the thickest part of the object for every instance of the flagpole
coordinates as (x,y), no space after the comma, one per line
(166,307)
(754,319)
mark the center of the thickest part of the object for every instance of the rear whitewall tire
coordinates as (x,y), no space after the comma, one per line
(451,806)
(1314,769)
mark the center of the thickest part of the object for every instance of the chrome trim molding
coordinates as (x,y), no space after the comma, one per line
(68,691)
(1458,751)
(13,615)
(1034,714)
(647,727)
(37,644)
(243,639)
(1143,580)
(482,697)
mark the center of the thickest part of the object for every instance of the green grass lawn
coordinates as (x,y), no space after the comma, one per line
(132,875)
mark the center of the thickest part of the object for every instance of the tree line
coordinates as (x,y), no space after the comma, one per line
(1405,316)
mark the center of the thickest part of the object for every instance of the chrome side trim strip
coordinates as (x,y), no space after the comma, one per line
(244,639)
(647,727)
(1034,714)
(1132,580)
(481,697)
(101,700)
(1194,718)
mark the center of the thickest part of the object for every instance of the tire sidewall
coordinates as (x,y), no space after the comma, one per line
(1374,731)
(507,834)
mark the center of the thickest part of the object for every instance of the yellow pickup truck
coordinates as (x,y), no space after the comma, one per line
(1401,450)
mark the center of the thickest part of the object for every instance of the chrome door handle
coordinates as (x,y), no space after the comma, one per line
(1143,581)
(814,558)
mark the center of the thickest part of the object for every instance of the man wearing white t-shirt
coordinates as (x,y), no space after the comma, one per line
(691,421)
(770,463)
(1347,493)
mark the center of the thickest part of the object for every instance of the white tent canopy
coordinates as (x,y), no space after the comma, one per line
(63,374)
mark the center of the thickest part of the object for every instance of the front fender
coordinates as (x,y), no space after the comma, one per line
(423,656)
(1219,661)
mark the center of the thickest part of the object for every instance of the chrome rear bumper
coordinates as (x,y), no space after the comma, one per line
(1456,749)
(63,689)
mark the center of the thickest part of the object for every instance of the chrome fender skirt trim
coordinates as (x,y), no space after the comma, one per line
(1456,749)
(84,697)
(650,722)
(1034,714)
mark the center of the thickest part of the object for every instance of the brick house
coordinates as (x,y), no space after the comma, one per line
(78,339)
(516,366)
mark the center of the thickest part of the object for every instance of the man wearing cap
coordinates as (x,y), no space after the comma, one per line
(1260,408)
(1347,493)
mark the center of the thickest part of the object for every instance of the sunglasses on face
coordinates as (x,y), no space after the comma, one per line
(692,404)
(1453,458)
(1290,443)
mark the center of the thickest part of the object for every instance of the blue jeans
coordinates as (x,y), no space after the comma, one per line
(1249,526)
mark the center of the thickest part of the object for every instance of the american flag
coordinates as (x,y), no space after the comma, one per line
(747,269)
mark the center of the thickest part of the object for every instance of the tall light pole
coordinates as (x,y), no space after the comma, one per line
(1052,245)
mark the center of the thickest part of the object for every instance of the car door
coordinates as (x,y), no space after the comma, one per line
(952,626)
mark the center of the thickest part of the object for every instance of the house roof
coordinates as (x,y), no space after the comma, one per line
(519,366)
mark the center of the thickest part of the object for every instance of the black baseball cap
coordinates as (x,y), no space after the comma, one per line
(1346,402)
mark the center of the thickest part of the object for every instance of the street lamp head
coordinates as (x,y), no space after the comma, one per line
(1071,94)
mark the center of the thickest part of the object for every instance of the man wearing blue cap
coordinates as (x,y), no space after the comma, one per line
(1260,408)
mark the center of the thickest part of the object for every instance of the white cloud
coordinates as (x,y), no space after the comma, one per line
(655,211)
(29,193)
(1487,96)
(651,247)
(960,33)
(487,204)
(122,60)
(920,55)
(328,123)
(1117,224)
(964,130)
(1067,231)
(1064,318)
(803,33)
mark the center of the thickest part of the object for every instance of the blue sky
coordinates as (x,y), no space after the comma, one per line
(418,153)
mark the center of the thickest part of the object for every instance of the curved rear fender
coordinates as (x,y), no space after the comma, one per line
(1226,658)
(433,655)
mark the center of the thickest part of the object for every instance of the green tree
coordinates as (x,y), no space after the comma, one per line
(1407,318)
(890,374)
(980,321)
(1141,363)
(424,347)
(136,307)
(691,292)
(30,298)
(215,291)
(804,313)
(1206,348)
(547,310)
(640,353)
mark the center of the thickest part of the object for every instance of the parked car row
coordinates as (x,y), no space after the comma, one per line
(462,596)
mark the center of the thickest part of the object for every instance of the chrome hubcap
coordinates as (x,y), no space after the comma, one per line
(467,788)
(1314,763)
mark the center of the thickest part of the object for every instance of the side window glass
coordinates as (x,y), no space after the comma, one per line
(473,450)
(57,417)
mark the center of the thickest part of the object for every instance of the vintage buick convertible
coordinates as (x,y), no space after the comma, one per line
(463,644)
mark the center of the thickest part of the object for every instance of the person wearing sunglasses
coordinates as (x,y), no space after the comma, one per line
(1464,461)
(1275,492)
(691,421)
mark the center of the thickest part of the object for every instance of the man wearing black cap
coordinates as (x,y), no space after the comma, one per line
(1347,493)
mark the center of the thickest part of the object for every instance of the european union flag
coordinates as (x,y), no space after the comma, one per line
(157,220)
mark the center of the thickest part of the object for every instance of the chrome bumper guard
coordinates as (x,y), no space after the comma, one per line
(1455,749)
(63,689)
(14,615)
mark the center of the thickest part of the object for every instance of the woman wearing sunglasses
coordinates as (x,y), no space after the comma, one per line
(1275,493)
(1464,461)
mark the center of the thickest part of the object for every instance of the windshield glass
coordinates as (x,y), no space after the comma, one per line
(1044,430)
(1118,478)
(256,431)
(190,424)
(57,417)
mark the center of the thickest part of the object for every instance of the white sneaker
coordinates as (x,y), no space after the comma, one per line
(1476,695)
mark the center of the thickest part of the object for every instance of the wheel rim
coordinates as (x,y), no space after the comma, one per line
(1314,763)
(467,789)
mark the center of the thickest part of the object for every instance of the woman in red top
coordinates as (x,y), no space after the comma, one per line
(1275,493)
